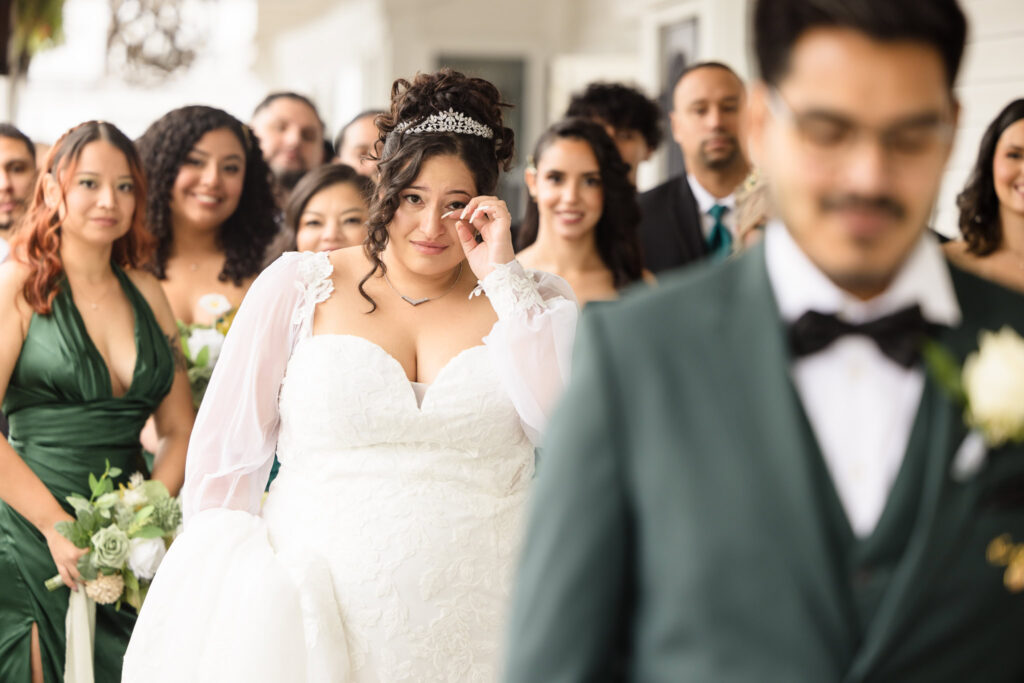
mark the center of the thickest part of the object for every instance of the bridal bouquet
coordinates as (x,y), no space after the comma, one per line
(201,344)
(127,532)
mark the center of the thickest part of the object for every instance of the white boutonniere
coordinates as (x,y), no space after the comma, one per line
(993,381)
(990,387)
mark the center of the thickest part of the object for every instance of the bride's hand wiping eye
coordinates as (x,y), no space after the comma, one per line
(489,217)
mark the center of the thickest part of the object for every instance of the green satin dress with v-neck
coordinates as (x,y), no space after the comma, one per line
(65,424)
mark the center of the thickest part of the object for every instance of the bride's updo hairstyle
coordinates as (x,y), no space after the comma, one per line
(405,146)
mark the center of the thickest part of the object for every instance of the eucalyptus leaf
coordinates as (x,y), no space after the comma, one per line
(155,490)
(86,567)
(142,515)
(86,517)
(203,359)
(65,529)
(149,532)
(130,581)
(107,500)
(945,368)
(93,484)
(78,502)
(115,472)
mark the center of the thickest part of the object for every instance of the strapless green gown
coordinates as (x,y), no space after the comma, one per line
(65,423)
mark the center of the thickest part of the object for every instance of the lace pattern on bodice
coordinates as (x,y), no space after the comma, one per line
(316,285)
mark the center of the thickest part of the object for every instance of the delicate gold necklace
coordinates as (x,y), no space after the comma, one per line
(94,305)
(416,302)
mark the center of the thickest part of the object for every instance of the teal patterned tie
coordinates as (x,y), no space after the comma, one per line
(720,241)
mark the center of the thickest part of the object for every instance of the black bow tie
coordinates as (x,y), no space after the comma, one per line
(898,335)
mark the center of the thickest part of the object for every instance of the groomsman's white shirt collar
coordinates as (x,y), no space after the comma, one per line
(705,200)
(861,405)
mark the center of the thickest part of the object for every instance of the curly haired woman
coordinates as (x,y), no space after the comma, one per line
(210,207)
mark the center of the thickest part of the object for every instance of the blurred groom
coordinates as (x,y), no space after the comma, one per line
(754,476)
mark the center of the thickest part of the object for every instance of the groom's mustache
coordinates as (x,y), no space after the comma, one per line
(881,204)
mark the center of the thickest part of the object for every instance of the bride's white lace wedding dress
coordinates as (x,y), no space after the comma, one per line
(386,546)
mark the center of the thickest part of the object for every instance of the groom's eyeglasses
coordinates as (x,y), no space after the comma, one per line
(832,137)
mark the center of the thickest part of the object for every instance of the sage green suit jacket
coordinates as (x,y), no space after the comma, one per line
(684,528)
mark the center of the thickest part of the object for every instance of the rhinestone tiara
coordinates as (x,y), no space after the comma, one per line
(450,121)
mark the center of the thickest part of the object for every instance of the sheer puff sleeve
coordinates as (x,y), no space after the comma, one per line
(235,434)
(531,344)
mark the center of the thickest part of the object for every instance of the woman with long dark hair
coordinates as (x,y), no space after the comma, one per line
(992,204)
(581,221)
(86,355)
(404,412)
(211,207)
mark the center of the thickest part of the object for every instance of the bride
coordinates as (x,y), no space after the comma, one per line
(403,410)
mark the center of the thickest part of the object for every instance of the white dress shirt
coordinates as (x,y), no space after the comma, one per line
(705,200)
(861,404)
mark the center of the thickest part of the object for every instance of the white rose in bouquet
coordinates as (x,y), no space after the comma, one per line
(214,305)
(208,337)
(993,380)
(145,555)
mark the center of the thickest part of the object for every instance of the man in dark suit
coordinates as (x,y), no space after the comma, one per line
(688,218)
(753,476)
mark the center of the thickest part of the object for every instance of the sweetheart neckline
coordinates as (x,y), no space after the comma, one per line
(397,365)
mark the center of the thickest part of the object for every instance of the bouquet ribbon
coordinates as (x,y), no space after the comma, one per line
(79,630)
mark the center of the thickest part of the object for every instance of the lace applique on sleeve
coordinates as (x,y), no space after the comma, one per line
(315,284)
(510,289)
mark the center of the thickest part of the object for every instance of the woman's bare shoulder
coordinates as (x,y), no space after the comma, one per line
(153,292)
(349,263)
(144,281)
(13,305)
(957,249)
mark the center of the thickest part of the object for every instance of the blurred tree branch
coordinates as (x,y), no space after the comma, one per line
(32,26)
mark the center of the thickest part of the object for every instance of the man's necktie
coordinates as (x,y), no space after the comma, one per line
(720,240)
(898,335)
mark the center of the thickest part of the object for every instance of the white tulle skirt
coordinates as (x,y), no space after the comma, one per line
(225,606)
(354,579)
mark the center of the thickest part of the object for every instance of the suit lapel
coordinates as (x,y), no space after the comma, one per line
(944,509)
(688,233)
(785,452)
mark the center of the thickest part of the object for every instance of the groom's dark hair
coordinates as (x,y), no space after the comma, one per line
(778,24)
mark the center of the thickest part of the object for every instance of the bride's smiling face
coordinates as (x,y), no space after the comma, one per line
(418,237)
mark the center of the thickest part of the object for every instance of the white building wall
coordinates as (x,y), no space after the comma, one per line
(991,76)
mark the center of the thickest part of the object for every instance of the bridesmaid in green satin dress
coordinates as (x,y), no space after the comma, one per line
(86,357)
